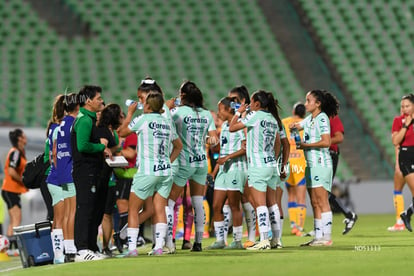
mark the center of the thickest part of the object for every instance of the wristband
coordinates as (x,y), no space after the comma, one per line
(238,114)
(405,126)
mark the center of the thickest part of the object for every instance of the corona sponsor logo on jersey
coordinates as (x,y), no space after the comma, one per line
(155,125)
(268,124)
(191,120)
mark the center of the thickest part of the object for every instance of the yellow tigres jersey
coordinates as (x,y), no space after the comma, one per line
(297,160)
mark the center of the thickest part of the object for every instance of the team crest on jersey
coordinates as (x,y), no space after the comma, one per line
(223,140)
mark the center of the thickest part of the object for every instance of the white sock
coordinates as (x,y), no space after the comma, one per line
(170,223)
(237,233)
(326,219)
(70,247)
(318,228)
(263,221)
(250,216)
(228,220)
(57,242)
(281,228)
(219,229)
(199,217)
(132,238)
(274,217)
(160,233)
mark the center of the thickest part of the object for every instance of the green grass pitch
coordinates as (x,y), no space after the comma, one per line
(369,249)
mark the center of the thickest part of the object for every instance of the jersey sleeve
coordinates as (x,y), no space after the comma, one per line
(324,125)
(135,124)
(211,125)
(249,120)
(396,124)
(282,133)
(14,159)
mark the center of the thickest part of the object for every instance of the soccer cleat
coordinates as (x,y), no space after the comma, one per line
(248,243)
(299,233)
(140,241)
(156,252)
(186,245)
(396,227)
(70,258)
(263,245)
(196,247)
(349,223)
(107,253)
(87,255)
(216,245)
(275,243)
(294,230)
(235,245)
(407,220)
(169,250)
(132,253)
(321,242)
(308,243)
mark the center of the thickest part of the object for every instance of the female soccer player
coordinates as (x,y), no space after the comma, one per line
(242,94)
(399,183)
(64,174)
(12,184)
(55,188)
(295,184)
(110,119)
(230,177)
(154,175)
(147,85)
(322,105)
(403,136)
(193,123)
(263,146)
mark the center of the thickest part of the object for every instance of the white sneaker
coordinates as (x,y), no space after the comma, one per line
(263,245)
(87,255)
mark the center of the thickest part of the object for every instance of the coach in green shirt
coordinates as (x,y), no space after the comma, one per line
(88,157)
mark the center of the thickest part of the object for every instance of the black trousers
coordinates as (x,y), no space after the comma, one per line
(91,195)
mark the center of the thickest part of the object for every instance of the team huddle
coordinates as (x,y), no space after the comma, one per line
(165,147)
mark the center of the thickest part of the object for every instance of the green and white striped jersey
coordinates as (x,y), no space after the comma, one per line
(154,136)
(314,128)
(192,127)
(231,142)
(262,130)
(167,114)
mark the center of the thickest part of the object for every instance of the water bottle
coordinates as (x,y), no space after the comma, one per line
(177,101)
(296,136)
(235,105)
(129,102)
